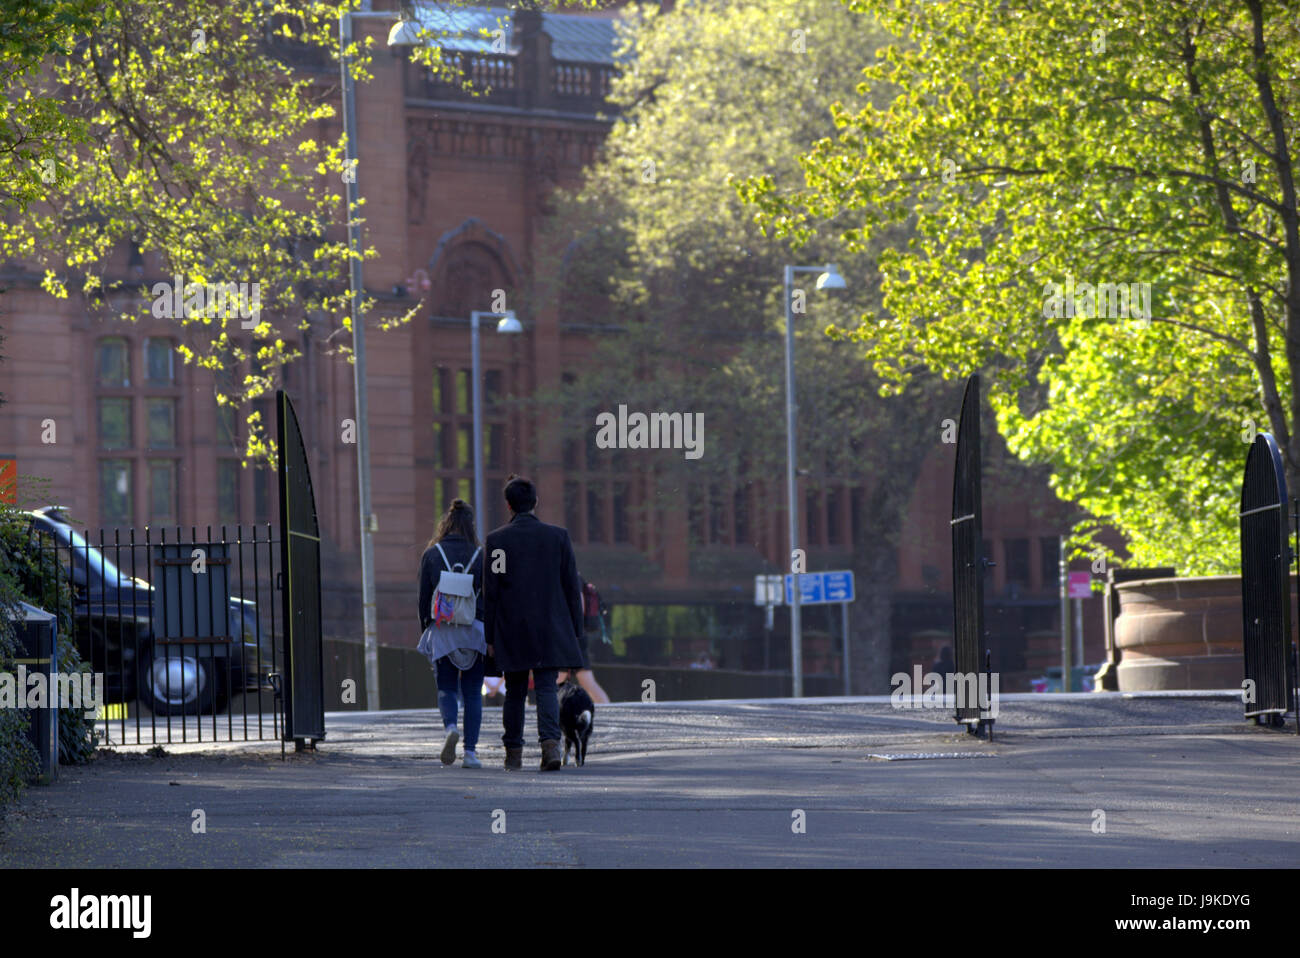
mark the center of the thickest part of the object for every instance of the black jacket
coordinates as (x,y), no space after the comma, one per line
(458,549)
(534,607)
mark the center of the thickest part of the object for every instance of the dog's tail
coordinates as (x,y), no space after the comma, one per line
(584,719)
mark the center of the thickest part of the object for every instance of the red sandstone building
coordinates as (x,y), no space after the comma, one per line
(455,189)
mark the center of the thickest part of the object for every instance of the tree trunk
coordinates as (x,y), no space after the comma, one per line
(870,617)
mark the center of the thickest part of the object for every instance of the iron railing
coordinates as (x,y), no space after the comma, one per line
(182,630)
(497,79)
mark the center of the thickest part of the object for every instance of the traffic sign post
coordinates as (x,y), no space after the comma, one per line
(844,633)
(1075,586)
(767,593)
(826,588)
(1080,589)
(821,588)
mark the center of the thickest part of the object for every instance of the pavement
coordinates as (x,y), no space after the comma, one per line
(1086,780)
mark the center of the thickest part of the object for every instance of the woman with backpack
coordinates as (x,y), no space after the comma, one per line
(451,617)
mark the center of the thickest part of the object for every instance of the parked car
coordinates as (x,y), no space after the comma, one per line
(114,624)
(1084,679)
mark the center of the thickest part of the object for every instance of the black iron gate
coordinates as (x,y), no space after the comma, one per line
(968,561)
(178,629)
(1265,583)
(304,692)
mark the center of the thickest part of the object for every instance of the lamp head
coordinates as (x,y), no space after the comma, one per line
(406,31)
(831,279)
(509,323)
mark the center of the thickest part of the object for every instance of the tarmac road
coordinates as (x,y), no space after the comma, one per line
(1182,782)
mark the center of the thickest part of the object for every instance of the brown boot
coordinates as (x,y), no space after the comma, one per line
(550,755)
(514,758)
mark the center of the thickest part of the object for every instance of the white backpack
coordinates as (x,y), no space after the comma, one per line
(456,585)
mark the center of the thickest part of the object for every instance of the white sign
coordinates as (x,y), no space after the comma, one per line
(767,590)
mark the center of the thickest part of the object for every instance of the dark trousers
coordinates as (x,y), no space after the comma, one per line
(548,707)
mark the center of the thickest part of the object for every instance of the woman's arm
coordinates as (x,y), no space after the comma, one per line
(426,590)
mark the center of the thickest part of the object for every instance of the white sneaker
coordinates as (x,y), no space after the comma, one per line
(471,760)
(449,746)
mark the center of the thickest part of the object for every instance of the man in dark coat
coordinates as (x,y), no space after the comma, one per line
(532,618)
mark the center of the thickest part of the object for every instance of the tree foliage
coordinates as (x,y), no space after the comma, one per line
(195,121)
(181,137)
(657,249)
(33,128)
(657,246)
(1062,142)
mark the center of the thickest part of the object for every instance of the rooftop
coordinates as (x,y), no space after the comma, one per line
(574,37)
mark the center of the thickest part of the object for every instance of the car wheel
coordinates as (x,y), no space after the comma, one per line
(180,683)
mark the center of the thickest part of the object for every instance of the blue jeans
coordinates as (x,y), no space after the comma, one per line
(548,707)
(471,688)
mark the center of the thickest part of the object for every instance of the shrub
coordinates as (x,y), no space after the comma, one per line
(18,762)
(25,576)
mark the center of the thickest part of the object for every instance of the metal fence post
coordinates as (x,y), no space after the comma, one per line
(1065,618)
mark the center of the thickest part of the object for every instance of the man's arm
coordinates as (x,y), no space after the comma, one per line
(490,588)
(569,581)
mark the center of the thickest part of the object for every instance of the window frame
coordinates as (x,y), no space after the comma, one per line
(146,381)
(129,520)
(229,518)
(149,403)
(175,494)
(129,445)
(125,341)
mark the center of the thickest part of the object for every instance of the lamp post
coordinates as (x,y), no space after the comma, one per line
(830,278)
(506,323)
(403,33)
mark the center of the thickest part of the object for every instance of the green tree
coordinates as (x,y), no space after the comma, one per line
(191,144)
(658,250)
(1063,142)
(182,130)
(32,127)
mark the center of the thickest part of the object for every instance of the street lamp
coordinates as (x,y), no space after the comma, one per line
(405,32)
(507,323)
(830,278)
(396,37)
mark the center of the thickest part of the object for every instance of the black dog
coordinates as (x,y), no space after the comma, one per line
(577,716)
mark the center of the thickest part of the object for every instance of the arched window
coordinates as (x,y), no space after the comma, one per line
(113,363)
(469,274)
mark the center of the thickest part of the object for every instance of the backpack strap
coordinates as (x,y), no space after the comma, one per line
(467,567)
(446,564)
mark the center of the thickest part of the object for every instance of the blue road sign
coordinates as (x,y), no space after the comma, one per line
(821,588)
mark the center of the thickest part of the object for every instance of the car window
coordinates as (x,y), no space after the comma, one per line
(83,557)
